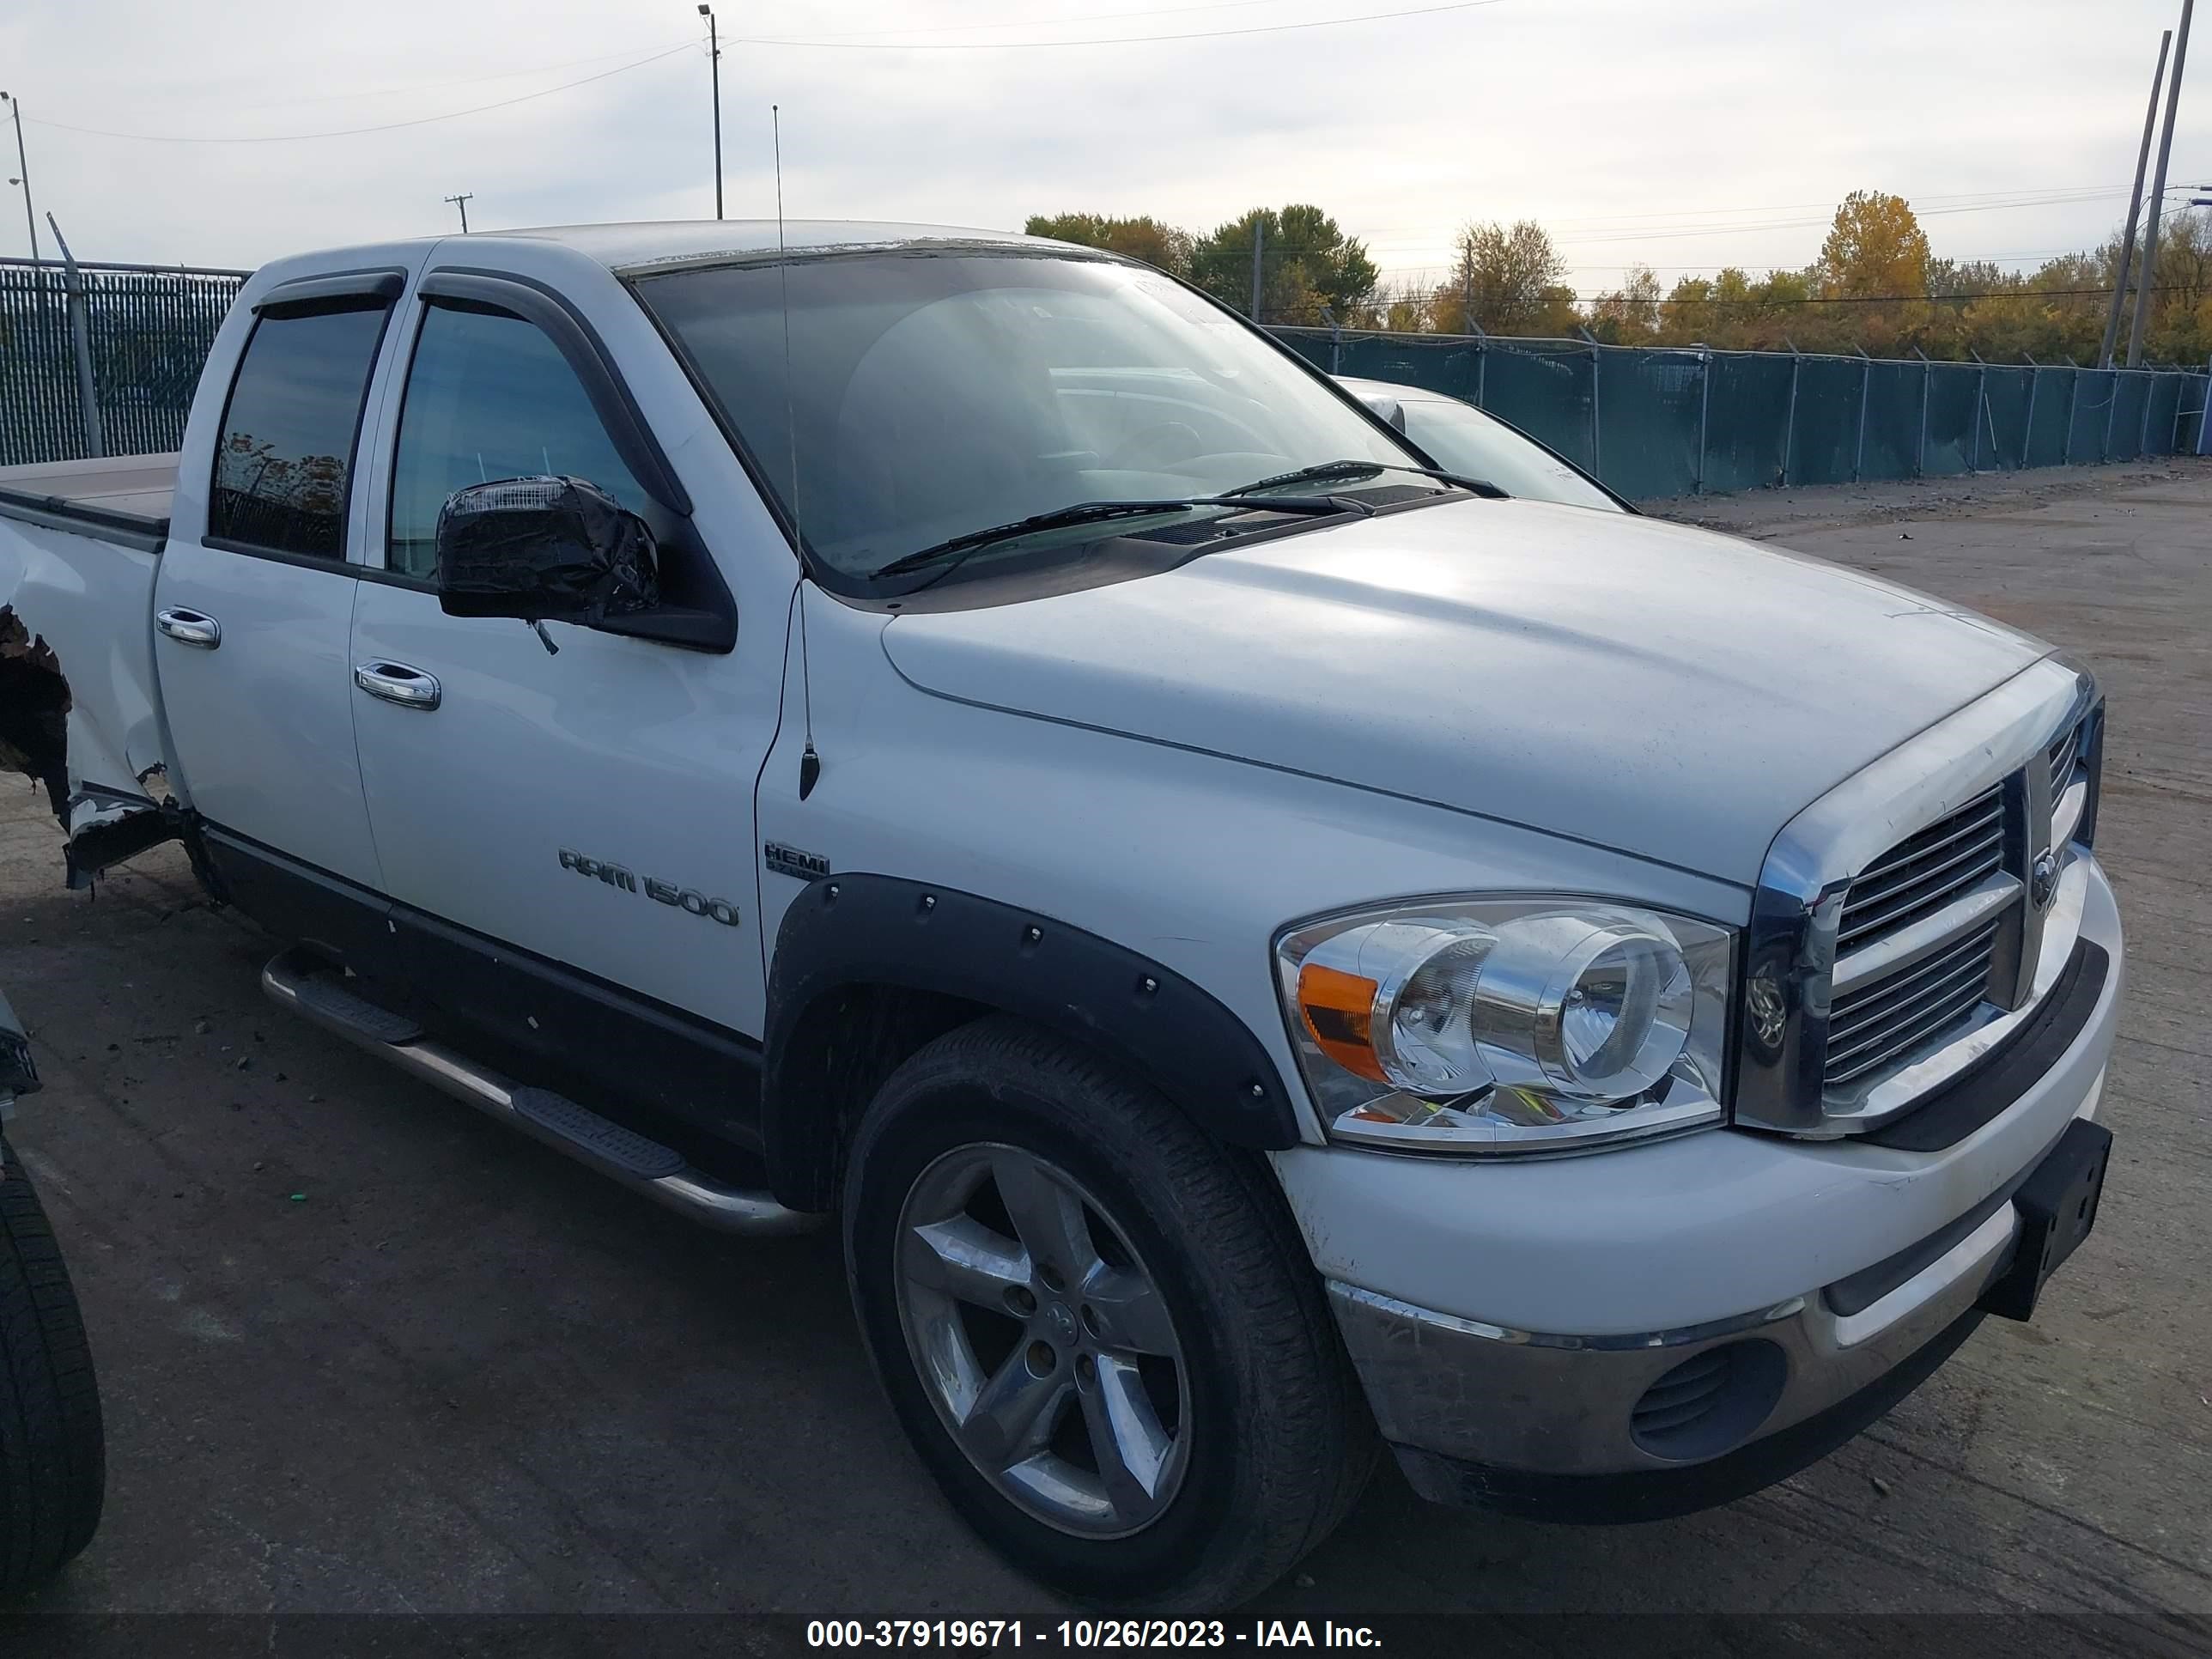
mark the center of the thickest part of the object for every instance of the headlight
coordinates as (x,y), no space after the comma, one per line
(1495,1025)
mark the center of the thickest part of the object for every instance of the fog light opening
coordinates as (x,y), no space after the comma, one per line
(1712,1403)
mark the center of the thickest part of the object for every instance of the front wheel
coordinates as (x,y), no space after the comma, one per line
(52,1458)
(1097,1326)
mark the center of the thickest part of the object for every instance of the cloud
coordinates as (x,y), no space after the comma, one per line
(1689,136)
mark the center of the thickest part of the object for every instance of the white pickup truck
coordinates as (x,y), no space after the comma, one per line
(1257,939)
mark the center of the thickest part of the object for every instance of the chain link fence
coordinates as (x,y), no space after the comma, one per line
(1654,422)
(1648,422)
(146,331)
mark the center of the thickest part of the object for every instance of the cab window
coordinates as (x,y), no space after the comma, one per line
(284,464)
(488,396)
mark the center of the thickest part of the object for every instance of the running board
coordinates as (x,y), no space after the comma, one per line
(296,980)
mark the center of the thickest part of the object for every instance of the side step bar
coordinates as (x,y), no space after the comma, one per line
(295,980)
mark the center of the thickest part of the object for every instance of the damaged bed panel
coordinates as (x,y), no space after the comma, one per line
(78,709)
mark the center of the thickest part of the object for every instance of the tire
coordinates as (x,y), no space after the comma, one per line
(53,1466)
(1267,1440)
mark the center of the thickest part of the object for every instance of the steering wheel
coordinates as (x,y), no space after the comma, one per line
(1148,447)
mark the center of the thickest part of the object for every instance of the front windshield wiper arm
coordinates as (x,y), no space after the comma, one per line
(1349,469)
(952,550)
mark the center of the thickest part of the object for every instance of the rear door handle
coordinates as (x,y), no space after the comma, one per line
(395,682)
(189,628)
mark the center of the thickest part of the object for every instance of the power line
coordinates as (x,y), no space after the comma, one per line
(1955,298)
(1904,299)
(459,81)
(608,56)
(1668,232)
(1607,222)
(1919,203)
(1051,22)
(1591,229)
(386,126)
(1111,39)
(770,40)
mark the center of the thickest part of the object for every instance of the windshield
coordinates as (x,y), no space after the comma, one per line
(936,393)
(1466,441)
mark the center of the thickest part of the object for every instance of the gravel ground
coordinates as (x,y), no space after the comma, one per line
(365,1352)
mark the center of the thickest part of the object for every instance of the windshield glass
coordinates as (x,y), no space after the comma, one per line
(935,393)
(1467,441)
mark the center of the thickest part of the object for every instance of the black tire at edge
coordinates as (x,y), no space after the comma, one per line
(53,1448)
(1285,1443)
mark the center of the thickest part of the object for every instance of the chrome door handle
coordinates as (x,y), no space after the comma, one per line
(189,628)
(395,682)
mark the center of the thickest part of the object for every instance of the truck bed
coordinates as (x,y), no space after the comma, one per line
(123,498)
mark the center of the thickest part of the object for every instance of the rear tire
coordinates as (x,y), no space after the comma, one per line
(1187,1307)
(53,1466)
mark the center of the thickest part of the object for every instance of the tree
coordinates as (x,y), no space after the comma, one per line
(1397,308)
(1628,315)
(1142,238)
(1307,262)
(2181,291)
(1507,281)
(1729,312)
(1875,248)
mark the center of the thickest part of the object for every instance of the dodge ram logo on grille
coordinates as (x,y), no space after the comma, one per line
(1764,1007)
(2043,878)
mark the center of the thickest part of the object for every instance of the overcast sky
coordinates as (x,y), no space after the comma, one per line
(1687,134)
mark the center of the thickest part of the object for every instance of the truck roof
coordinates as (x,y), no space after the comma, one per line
(628,249)
(128,497)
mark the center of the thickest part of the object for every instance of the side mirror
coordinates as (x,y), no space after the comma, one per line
(543,549)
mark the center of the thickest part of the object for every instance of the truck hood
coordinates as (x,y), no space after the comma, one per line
(1662,690)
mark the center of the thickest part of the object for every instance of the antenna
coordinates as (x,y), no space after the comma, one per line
(809,763)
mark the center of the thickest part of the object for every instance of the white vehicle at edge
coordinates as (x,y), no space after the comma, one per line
(1255,940)
(1476,443)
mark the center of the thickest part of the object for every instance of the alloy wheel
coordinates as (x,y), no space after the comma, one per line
(1043,1341)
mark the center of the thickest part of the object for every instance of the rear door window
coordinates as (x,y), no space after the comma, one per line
(283,467)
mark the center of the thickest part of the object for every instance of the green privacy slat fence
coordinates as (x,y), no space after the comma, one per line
(1674,421)
(150,329)
(1650,421)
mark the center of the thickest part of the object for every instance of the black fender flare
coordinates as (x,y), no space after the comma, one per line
(846,932)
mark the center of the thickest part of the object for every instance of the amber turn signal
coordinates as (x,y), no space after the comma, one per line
(1339,1010)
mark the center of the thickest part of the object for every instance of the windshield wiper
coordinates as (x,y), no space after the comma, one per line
(952,550)
(1361,469)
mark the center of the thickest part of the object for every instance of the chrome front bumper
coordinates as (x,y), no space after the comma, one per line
(1551,1404)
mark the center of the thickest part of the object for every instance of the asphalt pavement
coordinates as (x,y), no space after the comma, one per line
(364,1351)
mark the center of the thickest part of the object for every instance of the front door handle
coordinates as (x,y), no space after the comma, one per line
(189,628)
(395,682)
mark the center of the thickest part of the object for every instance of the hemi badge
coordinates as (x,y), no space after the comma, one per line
(784,861)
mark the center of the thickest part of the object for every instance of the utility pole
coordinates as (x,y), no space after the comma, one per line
(1258,237)
(80,316)
(714,58)
(462,202)
(30,218)
(2147,284)
(2135,209)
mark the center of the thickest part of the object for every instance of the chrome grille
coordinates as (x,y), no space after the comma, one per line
(1923,872)
(1874,956)
(1874,1024)
(2065,759)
